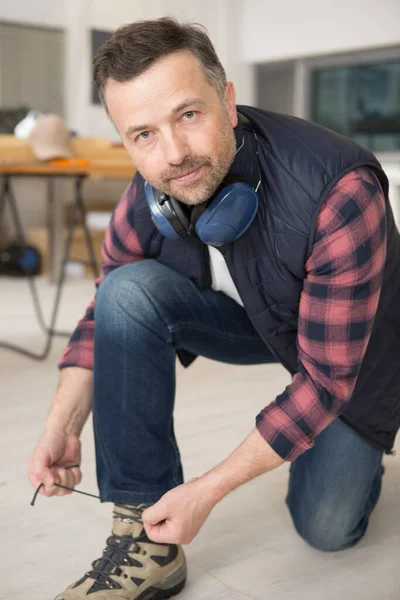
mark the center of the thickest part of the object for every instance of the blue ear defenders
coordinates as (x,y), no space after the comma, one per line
(222,220)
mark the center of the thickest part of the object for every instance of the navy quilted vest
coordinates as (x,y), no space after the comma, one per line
(300,163)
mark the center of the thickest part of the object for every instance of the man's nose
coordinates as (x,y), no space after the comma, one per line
(176,149)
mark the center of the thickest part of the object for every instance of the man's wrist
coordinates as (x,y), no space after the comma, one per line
(72,403)
(252,458)
(214,485)
(63,422)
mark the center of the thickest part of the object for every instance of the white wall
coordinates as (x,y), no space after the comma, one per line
(37,12)
(295,28)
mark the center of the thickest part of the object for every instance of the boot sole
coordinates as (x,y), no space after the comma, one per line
(157,594)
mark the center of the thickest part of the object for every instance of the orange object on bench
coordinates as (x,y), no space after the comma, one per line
(69,162)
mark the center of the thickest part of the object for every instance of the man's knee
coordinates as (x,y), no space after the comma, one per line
(114,286)
(325,527)
(130,283)
(130,293)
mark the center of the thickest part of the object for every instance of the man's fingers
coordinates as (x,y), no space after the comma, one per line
(156,513)
(64,479)
(55,475)
(77,473)
(159,533)
(59,477)
(43,475)
(67,478)
(49,489)
(153,532)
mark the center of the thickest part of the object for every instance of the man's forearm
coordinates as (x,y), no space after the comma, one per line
(252,458)
(73,401)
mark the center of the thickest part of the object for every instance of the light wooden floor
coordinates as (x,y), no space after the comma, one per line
(248,547)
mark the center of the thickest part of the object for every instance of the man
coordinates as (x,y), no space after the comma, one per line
(302,268)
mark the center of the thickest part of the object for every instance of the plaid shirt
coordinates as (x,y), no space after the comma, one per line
(336,313)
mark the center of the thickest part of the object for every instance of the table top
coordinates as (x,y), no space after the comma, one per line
(95,169)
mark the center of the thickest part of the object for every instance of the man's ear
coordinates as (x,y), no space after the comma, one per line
(230,100)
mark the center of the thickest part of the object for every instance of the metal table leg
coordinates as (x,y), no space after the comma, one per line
(55,212)
(78,205)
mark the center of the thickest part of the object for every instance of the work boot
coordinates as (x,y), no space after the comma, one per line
(132,566)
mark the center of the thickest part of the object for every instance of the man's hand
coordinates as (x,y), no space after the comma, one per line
(59,446)
(179,515)
(48,464)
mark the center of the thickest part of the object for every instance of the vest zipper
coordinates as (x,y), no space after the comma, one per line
(205,267)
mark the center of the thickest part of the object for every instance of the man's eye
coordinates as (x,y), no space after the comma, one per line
(144,135)
(189,114)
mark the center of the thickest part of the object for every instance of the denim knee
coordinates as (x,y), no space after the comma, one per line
(130,294)
(110,298)
(326,527)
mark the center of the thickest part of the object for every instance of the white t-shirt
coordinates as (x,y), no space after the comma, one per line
(221,278)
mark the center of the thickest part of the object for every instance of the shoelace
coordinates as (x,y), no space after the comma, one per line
(117,548)
(116,553)
(64,487)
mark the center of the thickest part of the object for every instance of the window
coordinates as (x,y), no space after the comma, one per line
(360,101)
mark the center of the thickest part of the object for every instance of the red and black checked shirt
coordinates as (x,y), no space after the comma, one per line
(337,309)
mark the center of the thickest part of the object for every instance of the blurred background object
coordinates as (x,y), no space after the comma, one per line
(49,138)
(23,129)
(10,118)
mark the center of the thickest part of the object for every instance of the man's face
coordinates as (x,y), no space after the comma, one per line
(175,127)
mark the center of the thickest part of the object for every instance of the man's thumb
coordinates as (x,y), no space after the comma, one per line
(155,514)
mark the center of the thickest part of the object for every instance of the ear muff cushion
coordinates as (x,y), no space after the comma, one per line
(167,215)
(229,215)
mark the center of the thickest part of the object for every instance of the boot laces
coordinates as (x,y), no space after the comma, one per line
(118,550)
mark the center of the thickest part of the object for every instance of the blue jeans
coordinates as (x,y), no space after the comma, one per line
(144,313)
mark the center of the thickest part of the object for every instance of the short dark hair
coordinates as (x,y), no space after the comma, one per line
(135,47)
